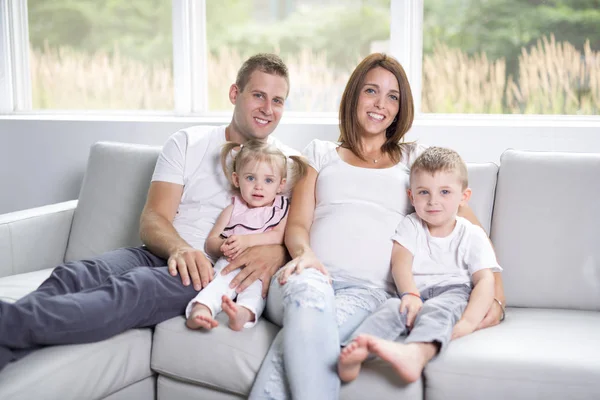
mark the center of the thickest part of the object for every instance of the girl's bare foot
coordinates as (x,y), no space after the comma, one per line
(351,359)
(201,318)
(238,316)
(407,359)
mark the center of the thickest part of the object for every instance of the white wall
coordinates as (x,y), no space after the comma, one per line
(43,159)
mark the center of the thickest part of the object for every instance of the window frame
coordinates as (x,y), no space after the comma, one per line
(190,69)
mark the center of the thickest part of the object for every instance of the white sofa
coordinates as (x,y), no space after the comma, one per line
(541,210)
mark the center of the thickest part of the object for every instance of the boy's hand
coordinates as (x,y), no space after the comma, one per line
(411,305)
(463,328)
(235,245)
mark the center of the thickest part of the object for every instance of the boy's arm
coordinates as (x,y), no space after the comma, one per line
(480,301)
(496,311)
(213,243)
(402,261)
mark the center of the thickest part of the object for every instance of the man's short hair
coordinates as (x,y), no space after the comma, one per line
(436,159)
(264,62)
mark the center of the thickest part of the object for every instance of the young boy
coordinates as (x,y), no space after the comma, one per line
(435,258)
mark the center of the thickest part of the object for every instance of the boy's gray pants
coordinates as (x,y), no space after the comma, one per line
(91,300)
(442,308)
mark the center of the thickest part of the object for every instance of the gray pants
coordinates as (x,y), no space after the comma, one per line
(443,307)
(92,300)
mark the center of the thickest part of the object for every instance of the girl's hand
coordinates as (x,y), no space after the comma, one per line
(411,305)
(299,264)
(463,328)
(234,245)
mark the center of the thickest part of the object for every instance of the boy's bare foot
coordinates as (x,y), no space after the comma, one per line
(351,359)
(201,318)
(407,359)
(238,316)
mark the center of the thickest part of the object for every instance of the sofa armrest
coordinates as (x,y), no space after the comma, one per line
(35,239)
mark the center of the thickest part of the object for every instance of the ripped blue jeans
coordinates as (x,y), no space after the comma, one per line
(317,318)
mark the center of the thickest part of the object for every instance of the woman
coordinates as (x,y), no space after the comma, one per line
(343,214)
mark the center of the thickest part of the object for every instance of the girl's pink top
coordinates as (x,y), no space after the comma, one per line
(246,220)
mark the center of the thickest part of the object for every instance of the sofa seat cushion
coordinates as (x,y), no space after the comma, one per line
(84,371)
(201,357)
(13,287)
(533,354)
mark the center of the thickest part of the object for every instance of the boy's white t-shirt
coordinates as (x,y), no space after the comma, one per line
(191,157)
(450,260)
(356,213)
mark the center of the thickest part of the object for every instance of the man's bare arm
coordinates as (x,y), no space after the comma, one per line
(159,235)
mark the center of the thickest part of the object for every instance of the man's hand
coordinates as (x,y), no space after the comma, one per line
(259,262)
(463,328)
(411,305)
(234,245)
(190,262)
(492,318)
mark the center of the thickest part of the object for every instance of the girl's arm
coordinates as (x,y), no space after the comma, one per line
(495,311)
(236,244)
(402,261)
(213,243)
(300,219)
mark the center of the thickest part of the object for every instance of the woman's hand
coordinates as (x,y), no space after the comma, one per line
(299,264)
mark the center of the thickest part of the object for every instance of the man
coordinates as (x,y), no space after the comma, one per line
(92,300)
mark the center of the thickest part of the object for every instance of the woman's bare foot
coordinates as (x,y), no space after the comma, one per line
(351,359)
(201,318)
(238,316)
(407,359)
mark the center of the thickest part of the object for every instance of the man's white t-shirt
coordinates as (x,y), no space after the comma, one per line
(191,157)
(450,260)
(356,213)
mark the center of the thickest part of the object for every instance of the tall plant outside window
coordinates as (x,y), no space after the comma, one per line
(320,41)
(511,57)
(108,55)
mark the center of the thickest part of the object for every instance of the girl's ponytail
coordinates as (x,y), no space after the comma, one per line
(225,153)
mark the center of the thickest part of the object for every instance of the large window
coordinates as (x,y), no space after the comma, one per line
(90,54)
(180,56)
(320,41)
(511,57)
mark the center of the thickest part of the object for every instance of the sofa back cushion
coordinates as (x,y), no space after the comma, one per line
(482,181)
(546,229)
(111,199)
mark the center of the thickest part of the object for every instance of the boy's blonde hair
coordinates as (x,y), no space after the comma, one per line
(436,159)
(259,151)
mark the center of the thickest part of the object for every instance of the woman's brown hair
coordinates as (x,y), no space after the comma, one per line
(349,128)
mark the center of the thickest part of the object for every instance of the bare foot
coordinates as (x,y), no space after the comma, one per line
(407,359)
(238,316)
(201,318)
(351,359)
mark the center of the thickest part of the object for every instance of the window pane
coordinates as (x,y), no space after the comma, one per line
(511,57)
(89,54)
(320,41)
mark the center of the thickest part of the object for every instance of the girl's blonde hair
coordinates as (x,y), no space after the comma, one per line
(259,151)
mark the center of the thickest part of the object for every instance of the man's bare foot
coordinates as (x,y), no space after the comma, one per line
(351,359)
(238,316)
(407,359)
(201,318)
